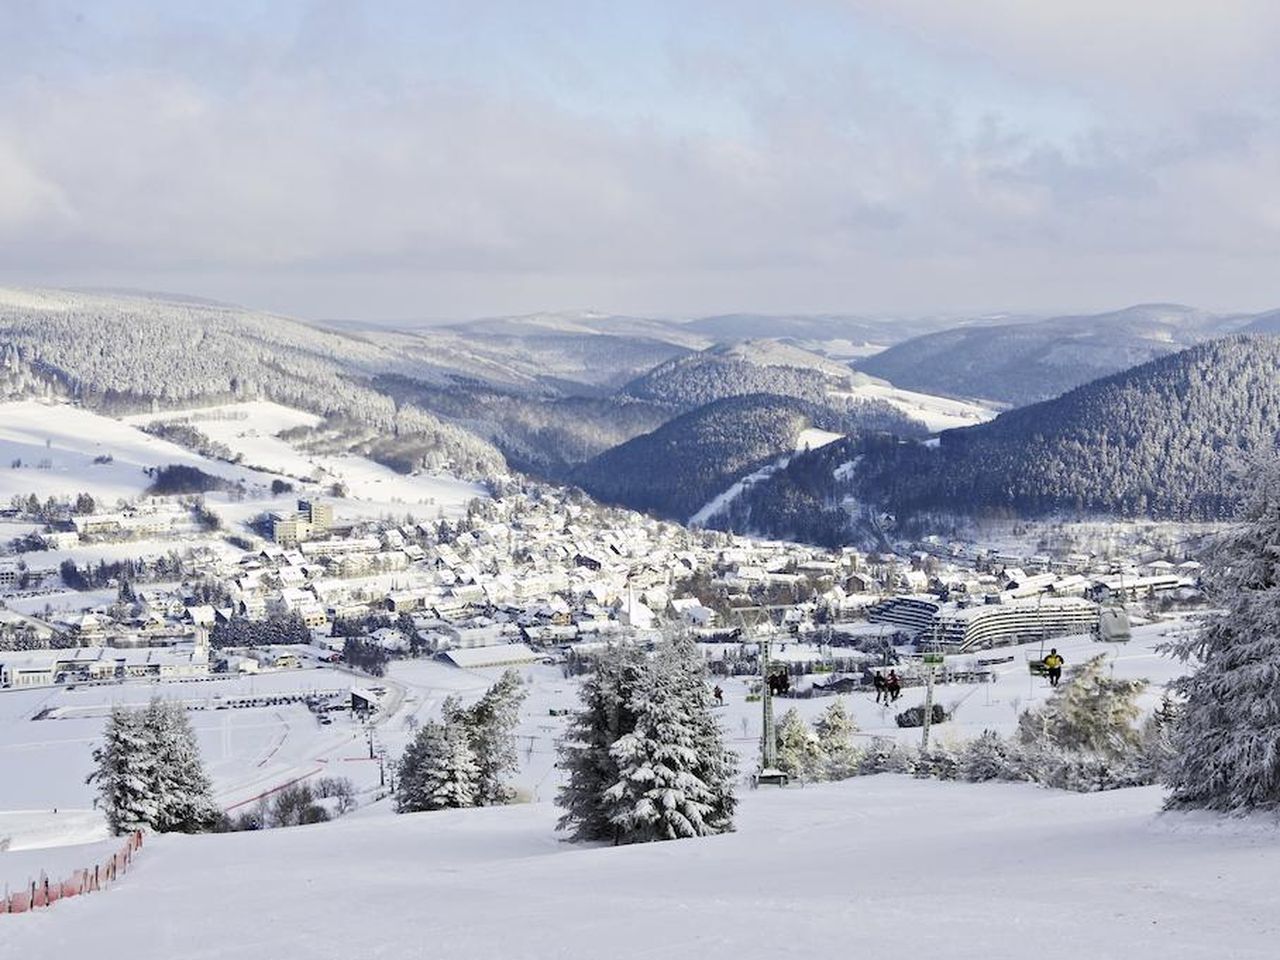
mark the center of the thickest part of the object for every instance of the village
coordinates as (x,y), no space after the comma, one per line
(539,574)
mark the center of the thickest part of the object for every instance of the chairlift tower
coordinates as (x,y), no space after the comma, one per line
(769,772)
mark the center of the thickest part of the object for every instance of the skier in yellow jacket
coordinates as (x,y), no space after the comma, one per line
(1053,666)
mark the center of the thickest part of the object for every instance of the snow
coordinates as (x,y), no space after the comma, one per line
(250,429)
(936,413)
(720,502)
(70,438)
(896,866)
(812,438)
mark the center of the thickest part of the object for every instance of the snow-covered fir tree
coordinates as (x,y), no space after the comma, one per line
(717,765)
(989,756)
(438,769)
(661,793)
(1085,737)
(490,725)
(126,772)
(183,790)
(149,772)
(605,716)
(835,730)
(1093,712)
(800,753)
(1226,741)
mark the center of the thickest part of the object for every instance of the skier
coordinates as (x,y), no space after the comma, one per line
(719,695)
(878,683)
(1053,666)
(893,686)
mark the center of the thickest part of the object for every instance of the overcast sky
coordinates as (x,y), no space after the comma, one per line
(454,159)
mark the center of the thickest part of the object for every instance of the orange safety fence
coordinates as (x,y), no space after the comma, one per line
(45,892)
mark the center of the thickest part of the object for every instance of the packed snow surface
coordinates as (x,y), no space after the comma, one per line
(882,866)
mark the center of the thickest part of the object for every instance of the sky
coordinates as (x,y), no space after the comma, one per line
(389,161)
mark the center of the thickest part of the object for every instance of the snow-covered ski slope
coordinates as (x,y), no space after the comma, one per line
(810,438)
(883,866)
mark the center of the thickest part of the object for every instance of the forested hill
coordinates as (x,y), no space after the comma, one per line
(678,468)
(128,353)
(1157,440)
(734,370)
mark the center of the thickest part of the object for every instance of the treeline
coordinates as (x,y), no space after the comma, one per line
(539,434)
(194,439)
(702,378)
(802,501)
(279,629)
(178,478)
(95,576)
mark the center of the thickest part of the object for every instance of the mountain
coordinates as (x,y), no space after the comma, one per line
(738,369)
(1019,363)
(842,336)
(1159,440)
(679,467)
(768,366)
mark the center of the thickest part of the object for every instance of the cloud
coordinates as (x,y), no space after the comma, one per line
(319,165)
(1172,53)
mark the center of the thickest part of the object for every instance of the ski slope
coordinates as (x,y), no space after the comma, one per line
(882,866)
(810,438)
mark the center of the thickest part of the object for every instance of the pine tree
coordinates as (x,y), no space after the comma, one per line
(1226,741)
(659,794)
(717,765)
(835,730)
(800,753)
(184,793)
(490,725)
(1092,713)
(149,772)
(606,715)
(989,756)
(438,769)
(126,772)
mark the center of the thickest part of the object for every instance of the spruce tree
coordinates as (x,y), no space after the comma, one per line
(438,769)
(490,725)
(1091,713)
(1226,740)
(606,715)
(126,772)
(835,730)
(800,754)
(673,769)
(184,793)
(717,765)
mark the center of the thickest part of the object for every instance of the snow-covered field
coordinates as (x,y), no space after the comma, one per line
(883,866)
(250,429)
(936,413)
(67,440)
